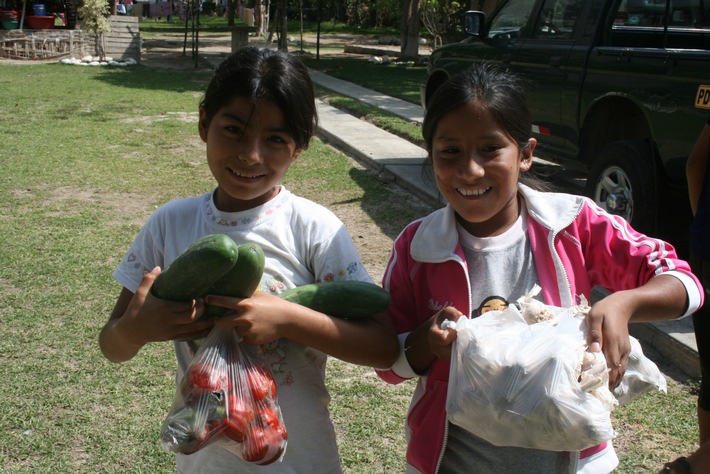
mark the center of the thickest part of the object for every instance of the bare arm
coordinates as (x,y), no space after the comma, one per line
(663,297)
(140,318)
(695,167)
(264,318)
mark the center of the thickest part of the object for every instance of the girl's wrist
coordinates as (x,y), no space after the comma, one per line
(419,359)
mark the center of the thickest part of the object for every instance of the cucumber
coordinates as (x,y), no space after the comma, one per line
(241,281)
(196,268)
(347,299)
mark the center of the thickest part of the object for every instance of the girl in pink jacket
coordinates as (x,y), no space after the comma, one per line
(495,240)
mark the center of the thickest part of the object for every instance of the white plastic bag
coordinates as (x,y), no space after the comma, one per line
(526,379)
(516,384)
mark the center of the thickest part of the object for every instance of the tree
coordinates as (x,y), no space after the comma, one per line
(283,35)
(279,25)
(94,14)
(409,27)
(442,18)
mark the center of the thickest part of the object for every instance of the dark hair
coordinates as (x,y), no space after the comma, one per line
(500,92)
(272,75)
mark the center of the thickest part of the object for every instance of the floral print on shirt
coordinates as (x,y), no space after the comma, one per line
(341,274)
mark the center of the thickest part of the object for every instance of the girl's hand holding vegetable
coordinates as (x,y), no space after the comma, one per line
(429,342)
(140,318)
(260,319)
(150,319)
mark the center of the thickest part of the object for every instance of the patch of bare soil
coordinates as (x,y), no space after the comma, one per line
(174,51)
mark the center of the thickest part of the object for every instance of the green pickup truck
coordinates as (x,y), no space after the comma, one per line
(619,91)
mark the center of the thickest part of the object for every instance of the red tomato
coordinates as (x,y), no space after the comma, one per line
(255,445)
(276,440)
(202,376)
(269,415)
(261,382)
(235,429)
(239,409)
(276,432)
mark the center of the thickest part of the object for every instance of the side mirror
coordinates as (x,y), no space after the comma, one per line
(474,23)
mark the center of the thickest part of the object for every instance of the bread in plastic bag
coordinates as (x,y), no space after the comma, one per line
(228,396)
(525,378)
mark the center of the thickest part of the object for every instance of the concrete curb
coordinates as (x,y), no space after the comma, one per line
(379,149)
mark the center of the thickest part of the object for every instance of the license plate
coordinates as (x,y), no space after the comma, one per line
(702,98)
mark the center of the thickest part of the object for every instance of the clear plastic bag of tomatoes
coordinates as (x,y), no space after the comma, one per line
(226,395)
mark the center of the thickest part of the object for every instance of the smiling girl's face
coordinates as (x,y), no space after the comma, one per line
(476,166)
(249,150)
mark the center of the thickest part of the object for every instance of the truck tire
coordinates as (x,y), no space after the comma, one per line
(623,181)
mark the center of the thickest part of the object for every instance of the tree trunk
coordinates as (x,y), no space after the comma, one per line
(409,48)
(283,31)
(231,12)
(258,18)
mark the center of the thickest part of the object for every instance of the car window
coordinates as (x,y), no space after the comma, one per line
(511,19)
(557,19)
(643,23)
(647,13)
(690,13)
(652,13)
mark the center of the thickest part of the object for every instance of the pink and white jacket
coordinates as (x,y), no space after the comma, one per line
(576,246)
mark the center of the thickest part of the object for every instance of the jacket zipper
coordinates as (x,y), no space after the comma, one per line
(461,262)
(559,267)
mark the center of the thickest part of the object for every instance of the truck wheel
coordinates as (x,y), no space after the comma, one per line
(622,180)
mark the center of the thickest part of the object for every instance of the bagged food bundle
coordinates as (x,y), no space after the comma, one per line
(226,396)
(516,384)
(524,377)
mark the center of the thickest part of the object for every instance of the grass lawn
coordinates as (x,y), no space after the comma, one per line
(86,154)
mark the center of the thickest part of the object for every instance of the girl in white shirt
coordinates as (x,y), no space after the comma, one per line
(256,117)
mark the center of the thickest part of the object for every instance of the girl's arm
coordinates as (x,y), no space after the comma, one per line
(429,342)
(695,167)
(663,297)
(264,318)
(140,318)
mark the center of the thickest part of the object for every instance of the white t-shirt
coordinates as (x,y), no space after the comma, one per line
(303,243)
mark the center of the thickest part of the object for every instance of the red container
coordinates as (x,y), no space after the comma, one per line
(9,15)
(39,22)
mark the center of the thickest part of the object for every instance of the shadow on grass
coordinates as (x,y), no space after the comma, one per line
(177,74)
(390,206)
